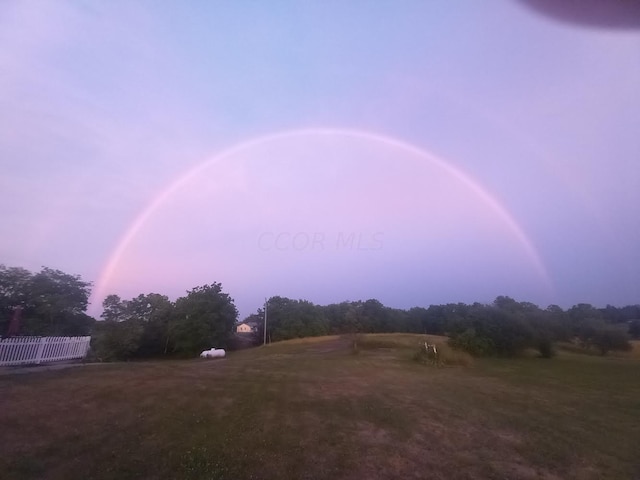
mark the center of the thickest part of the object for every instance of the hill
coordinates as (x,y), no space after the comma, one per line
(313,409)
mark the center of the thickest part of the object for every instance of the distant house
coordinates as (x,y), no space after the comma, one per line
(243,328)
(254,324)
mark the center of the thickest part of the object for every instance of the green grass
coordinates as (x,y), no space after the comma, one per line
(311,409)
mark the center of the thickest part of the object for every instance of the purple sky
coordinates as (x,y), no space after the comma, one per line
(414,152)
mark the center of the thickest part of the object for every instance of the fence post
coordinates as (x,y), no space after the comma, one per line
(43,341)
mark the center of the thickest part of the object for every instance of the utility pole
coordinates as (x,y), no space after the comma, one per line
(265,322)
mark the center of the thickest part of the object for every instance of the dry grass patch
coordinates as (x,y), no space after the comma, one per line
(312,410)
(635,350)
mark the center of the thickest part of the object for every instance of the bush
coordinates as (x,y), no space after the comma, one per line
(426,357)
(610,338)
(114,341)
(495,332)
(546,348)
(603,337)
(472,343)
(446,357)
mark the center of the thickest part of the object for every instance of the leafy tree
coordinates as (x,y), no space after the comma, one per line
(204,318)
(630,312)
(335,315)
(55,291)
(582,315)
(376,317)
(287,318)
(584,311)
(557,323)
(604,337)
(611,314)
(416,320)
(471,342)
(507,304)
(494,330)
(282,323)
(113,309)
(15,284)
(397,320)
(509,334)
(456,316)
(554,310)
(59,301)
(154,312)
(611,338)
(354,323)
(151,315)
(432,322)
(53,302)
(314,322)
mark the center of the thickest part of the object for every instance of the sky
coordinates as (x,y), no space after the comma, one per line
(414,152)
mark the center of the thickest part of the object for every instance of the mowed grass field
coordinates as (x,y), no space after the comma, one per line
(311,409)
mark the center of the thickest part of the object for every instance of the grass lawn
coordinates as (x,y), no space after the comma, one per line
(312,409)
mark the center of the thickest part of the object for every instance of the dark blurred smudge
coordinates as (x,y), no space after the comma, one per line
(612,14)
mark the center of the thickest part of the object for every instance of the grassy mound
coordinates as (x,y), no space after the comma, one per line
(413,344)
(310,409)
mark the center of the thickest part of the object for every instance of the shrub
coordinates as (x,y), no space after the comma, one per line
(545,348)
(114,341)
(495,332)
(472,343)
(426,357)
(446,357)
(603,337)
(610,338)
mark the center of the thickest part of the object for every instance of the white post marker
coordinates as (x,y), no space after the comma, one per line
(264,342)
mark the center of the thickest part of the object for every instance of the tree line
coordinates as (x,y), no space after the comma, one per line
(54,303)
(152,326)
(505,327)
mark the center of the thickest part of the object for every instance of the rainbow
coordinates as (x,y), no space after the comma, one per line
(495,205)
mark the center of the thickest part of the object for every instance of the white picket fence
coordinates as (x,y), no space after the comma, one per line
(26,350)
